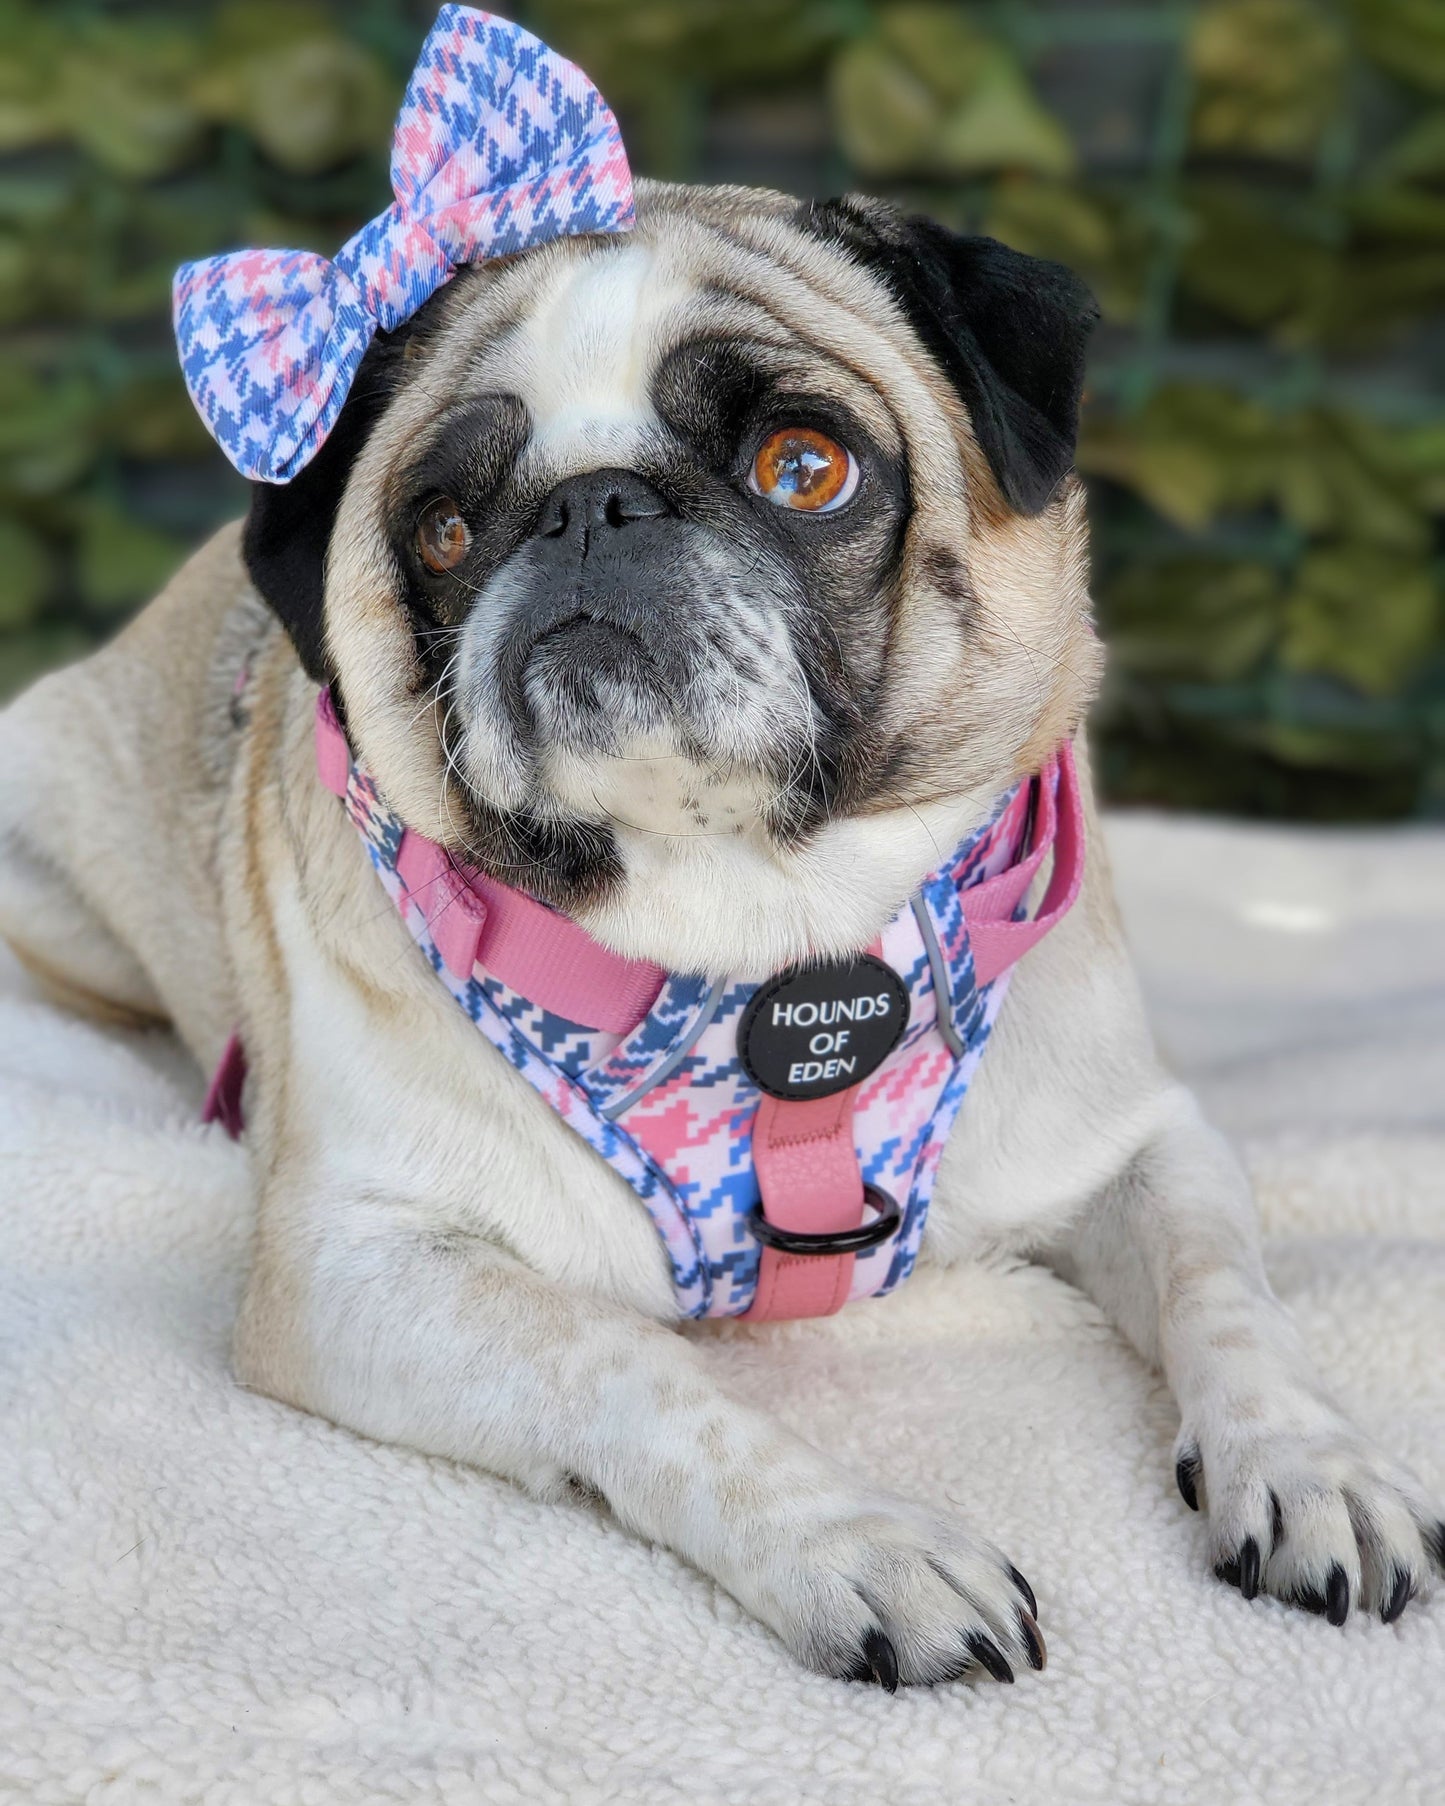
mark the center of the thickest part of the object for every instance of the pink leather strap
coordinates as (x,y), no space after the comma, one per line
(998,941)
(333,755)
(477,921)
(807,1170)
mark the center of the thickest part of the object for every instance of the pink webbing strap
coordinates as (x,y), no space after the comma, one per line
(998,941)
(803,1153)
(808,1174)
(477,921)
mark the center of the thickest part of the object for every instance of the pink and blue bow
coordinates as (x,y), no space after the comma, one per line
(500,144)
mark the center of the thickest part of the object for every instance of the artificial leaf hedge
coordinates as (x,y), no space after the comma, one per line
(1255,188)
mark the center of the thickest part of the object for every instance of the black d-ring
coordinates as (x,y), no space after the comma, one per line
(837,1241)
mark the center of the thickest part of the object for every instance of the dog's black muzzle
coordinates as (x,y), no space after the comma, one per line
(603,596)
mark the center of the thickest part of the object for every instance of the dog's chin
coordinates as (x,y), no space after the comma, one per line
(650,785)
(700,870)
(612,742)
(585,675)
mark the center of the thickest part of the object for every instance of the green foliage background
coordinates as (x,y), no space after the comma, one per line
(1256,189)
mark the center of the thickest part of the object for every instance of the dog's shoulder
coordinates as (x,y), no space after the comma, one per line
(118,768)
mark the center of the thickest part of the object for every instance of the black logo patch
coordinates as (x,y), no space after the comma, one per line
(819,1029)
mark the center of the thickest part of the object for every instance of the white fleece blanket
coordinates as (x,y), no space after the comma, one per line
(205,1596)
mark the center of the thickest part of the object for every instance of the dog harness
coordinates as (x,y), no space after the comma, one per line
(784,1136)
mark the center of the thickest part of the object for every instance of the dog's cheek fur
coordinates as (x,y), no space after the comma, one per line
(996,649)
(992,661)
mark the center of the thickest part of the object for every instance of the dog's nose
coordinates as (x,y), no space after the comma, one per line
(594,508)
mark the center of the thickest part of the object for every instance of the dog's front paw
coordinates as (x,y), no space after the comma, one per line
(1301,1505)
(891,1593)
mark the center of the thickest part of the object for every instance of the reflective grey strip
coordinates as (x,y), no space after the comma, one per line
(942,989)
(675,1058)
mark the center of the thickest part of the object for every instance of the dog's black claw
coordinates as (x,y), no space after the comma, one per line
(1186,1475)
(1399,1596)
(1276,1520)
(1249,1568)
(1027,1591)
(1034,1643)
(1337,1595)
(880,1662)
(990,1656)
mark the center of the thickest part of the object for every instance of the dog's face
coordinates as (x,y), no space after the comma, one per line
(708,581)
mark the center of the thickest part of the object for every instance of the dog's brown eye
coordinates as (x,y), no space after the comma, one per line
(798,467)
(442,536)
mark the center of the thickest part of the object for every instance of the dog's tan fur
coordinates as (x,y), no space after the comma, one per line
(438,1260)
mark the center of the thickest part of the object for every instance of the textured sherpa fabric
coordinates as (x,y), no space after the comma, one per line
(205,1596)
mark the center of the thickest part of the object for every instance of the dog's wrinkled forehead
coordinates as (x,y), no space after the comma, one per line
(583,359)
(585,334)
(582,362)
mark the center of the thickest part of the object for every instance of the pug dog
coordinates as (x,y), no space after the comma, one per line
(574,640)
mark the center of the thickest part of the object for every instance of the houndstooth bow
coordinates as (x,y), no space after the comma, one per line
(500,144)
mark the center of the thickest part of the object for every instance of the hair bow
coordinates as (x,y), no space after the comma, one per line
(500,144)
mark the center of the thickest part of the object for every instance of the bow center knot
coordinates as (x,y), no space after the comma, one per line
(395,262)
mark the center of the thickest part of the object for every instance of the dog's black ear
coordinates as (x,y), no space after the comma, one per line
(1009,331)
(288,528)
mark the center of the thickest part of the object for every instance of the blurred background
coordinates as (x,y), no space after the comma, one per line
(1255,189)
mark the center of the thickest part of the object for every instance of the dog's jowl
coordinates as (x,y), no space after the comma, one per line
(625,790)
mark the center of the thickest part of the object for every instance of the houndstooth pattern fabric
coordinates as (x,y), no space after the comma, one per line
(500,144)
(696,1122)
(670,1108)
